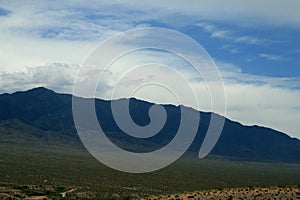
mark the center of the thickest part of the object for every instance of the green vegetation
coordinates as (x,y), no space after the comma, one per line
(67,168)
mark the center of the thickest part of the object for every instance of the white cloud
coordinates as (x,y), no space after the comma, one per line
(231,48)
(42,33)
(264,105)
(271,57)
(43,27)
(244,13)
(250,40)
(229,35)
(31,52)
(56,76)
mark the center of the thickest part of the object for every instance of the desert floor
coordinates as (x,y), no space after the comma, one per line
(238,193)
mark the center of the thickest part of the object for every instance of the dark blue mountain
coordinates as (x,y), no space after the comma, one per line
(46,116)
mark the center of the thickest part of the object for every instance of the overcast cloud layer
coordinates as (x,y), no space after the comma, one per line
(44,43)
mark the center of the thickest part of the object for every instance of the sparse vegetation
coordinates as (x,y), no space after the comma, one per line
(239,193)
(42,170)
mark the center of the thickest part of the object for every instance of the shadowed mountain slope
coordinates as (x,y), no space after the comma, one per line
(42,116)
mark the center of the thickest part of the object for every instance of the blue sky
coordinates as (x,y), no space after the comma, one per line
(256,50)
(255,44)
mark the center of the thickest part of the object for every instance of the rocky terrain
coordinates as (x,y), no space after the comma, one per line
(238,193)
(41,192)
(44,192)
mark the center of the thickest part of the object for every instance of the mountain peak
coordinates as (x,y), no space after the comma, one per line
(40,89)
(37,90)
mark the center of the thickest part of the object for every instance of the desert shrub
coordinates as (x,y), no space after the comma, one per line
(126,198)
(60,189)
(22,187)
(230,197)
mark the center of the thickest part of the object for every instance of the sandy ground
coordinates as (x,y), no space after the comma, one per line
(237,193)
(63,194)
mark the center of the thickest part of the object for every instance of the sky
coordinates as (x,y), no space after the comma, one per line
(255,45)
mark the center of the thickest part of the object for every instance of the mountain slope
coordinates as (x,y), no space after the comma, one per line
(46,116)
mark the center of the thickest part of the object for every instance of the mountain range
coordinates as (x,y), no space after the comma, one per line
(43,117)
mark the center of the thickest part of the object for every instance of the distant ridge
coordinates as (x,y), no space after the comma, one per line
(43,116)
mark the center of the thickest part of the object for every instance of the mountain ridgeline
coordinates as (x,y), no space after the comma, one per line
(41,116)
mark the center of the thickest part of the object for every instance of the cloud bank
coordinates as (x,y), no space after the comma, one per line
(255,100)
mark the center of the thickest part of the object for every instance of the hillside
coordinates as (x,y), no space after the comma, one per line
(42,116)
